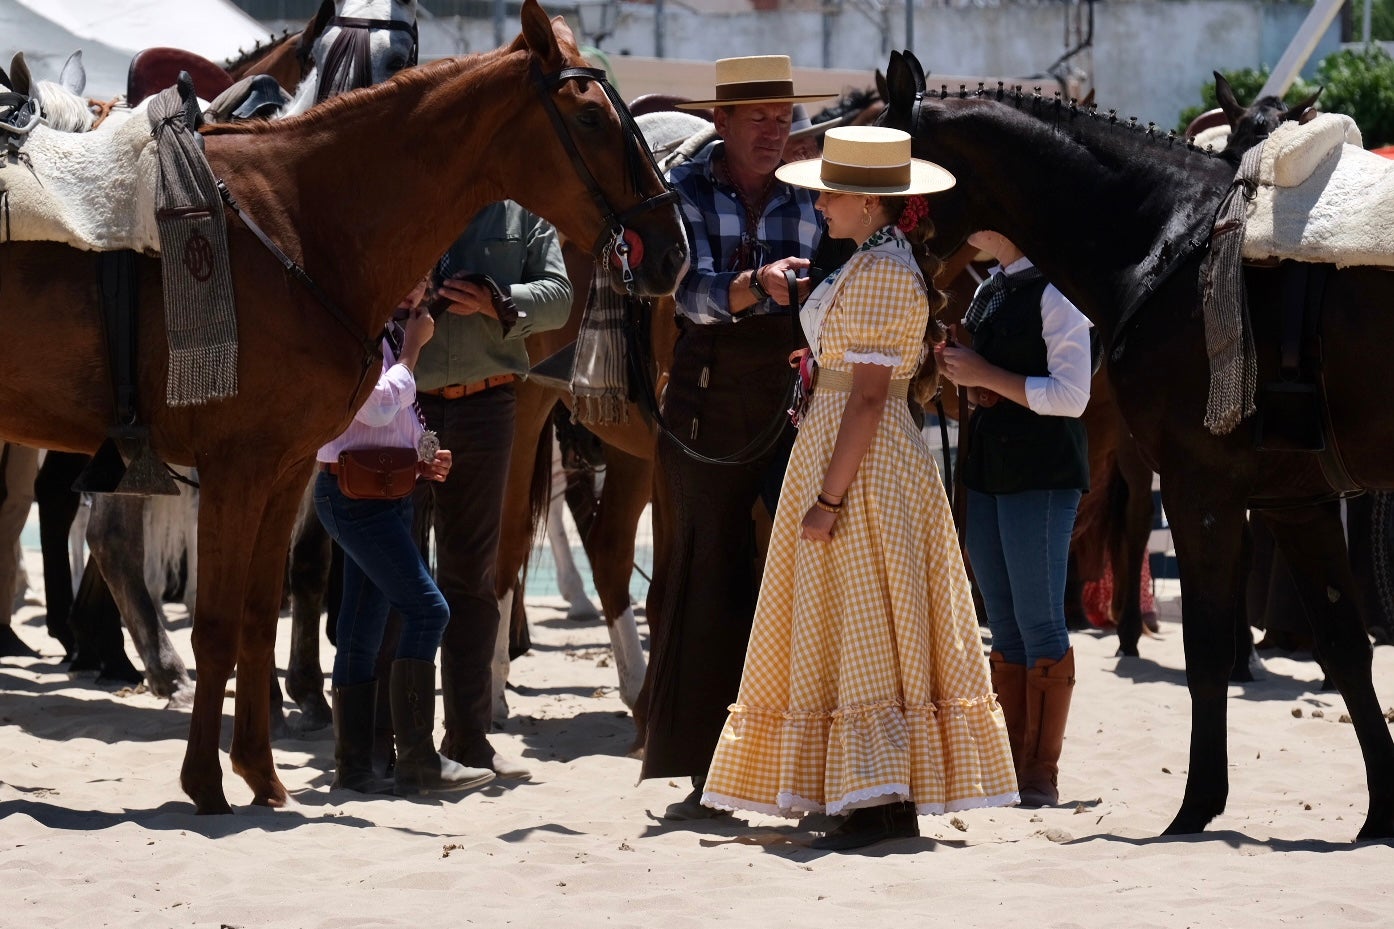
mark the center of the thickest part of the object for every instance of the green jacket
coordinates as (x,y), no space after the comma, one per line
(519,251)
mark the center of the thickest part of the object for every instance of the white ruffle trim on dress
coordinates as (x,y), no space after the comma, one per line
(871,358)
(792,806)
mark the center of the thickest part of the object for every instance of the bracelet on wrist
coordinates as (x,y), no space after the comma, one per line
(827,507)
(756,287)
(831,499)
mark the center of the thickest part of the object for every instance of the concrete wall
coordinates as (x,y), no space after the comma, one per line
(1149,57)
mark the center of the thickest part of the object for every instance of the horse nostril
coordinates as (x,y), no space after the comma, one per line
(675,260)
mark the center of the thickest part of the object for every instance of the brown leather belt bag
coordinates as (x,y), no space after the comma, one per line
(377,473)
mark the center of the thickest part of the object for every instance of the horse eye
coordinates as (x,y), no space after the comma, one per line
(589,116)
(395,64)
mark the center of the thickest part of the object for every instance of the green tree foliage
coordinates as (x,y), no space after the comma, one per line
(1358,83)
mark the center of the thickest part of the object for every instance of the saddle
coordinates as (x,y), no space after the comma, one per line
(1320,198)
(154,69)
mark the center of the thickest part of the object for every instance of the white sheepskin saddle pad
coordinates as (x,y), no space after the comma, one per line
(1321,197)
(92,190)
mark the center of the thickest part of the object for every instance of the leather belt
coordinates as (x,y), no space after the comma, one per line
(331,466)
(841,381)
(456,391)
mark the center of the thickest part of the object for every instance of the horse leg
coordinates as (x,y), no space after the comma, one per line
(1313,542)
(610,547)
(251,735)
(1209,537)
(310,556)
(1129,529)
(116,536)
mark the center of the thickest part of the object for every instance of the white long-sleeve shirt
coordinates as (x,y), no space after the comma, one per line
(1065,391)
(388,419)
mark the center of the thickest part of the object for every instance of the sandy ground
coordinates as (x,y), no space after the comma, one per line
(95,832)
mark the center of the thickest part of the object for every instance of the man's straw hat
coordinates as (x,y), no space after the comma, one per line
(754,79)
(867,160)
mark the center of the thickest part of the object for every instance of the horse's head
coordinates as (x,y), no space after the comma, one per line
(1252,124)
(613,196)
(352,44)
(59,104)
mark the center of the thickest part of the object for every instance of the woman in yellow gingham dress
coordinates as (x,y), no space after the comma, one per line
(865,690)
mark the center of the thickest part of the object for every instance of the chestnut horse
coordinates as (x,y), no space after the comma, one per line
(1117,216)
(529,122)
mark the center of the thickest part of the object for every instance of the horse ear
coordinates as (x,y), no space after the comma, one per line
(1304,111)
(882,90)
(74,75)
(1224,94)
(917,69)
(900,86)
(538,34)
(19,72)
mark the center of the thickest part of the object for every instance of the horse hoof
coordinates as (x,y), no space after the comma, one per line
(1189,822)
(274,797)
(314,715)
(1126,652)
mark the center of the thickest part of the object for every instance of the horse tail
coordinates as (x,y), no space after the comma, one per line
(1381,527)
(540,488)
(171,540)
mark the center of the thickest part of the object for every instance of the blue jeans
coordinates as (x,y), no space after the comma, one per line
(1019,545)
(384,568)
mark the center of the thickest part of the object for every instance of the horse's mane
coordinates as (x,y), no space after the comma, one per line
(421,77)
(1105,129)
(852,102)
(259,51)
(63,110)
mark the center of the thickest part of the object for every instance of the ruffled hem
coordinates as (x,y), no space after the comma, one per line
(947,756)
(792,806)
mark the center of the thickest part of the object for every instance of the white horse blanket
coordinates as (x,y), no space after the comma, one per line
(92,190)
(1321,197)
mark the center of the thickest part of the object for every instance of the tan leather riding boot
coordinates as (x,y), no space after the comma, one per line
(1049,686)
(1009,683)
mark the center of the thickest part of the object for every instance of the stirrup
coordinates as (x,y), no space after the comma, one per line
(109,471)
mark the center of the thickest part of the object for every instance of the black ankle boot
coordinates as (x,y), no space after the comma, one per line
(419,766)
(355,716)
(870,825)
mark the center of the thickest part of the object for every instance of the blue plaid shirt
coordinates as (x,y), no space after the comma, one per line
(789,227)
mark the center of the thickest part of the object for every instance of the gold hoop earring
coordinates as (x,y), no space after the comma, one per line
(866,216)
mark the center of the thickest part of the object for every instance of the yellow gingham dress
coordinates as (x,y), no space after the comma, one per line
(865,680)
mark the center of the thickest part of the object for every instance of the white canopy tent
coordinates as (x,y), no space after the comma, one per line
(109,32)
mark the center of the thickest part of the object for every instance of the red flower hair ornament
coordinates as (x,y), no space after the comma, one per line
(916,209)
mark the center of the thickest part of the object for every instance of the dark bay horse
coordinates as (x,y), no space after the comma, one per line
(527,122)
(1117,216)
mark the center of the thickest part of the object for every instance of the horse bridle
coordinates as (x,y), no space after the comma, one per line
(351,47)
(612,240)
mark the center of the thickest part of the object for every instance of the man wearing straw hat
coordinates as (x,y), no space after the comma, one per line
(726,397)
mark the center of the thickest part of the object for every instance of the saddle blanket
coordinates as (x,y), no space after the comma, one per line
(92,190)
(1321,197)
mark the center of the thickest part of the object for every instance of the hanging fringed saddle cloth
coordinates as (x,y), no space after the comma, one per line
(599,382)
(200,310)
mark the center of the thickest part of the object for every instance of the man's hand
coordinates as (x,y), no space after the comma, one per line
(467,298)
(773,280)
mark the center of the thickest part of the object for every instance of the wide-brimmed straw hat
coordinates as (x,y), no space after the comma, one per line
(802,126)
(867,160)
(754,79)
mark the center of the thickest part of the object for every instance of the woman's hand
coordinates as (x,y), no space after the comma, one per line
(963,366)
(438,469)
(818,525)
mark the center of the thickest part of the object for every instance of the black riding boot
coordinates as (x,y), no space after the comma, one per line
(419,766)
(355,713)
(870,825)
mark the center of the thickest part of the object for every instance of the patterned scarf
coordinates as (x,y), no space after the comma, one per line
(993,292)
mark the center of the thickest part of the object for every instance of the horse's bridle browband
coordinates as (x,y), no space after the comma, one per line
(612,237)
